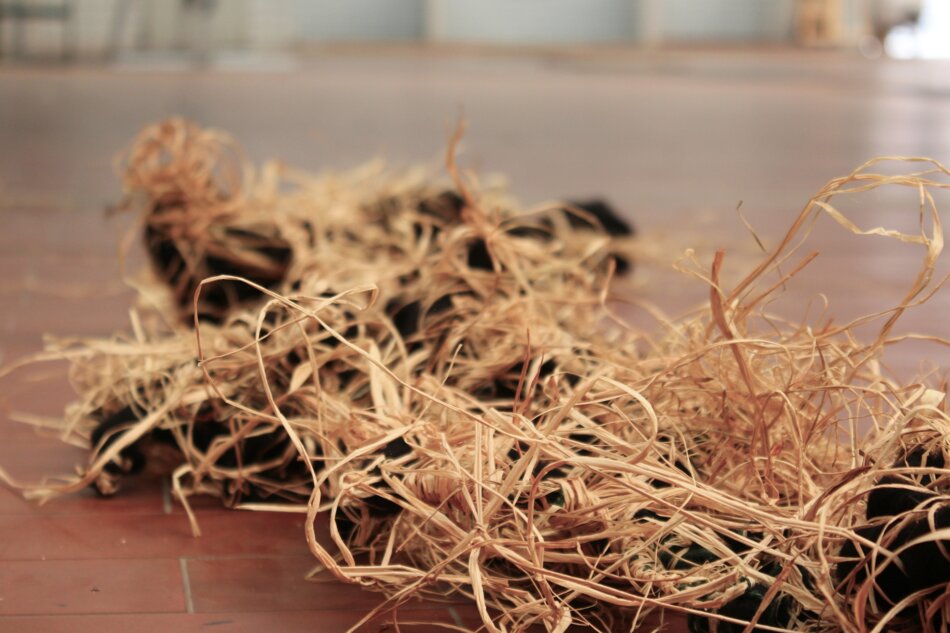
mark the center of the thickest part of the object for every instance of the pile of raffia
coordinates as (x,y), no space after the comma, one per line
(443,377)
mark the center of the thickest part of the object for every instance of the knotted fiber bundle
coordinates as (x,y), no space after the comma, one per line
(502,448)
(446,275)
(734,473)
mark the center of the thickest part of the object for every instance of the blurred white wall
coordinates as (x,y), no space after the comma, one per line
(162,25)
(368,20)
(532,21)
(97,26)
(271,24)
(725,20)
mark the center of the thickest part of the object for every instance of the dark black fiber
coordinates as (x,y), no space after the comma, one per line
(446,206)
(109,429)
(478,256)
(776,614)
(397,448)
(405,316)
(894,495)
(605,215)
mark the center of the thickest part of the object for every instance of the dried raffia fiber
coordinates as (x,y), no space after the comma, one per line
(206,213)
(142,400)
(496,444)
(720,475)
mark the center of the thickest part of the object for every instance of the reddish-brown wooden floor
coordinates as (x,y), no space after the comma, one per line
(677,140)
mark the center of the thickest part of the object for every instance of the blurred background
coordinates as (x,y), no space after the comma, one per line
(675,111)
(225,31)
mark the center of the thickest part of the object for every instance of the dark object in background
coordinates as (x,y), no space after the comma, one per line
(517,451)
(445,207)
(893,495)
(540,229)
(623,264)
(377,505)
(152,450)
(479,256)
(922,566)
(683,557)
(896,494)
(260,446)
(505,386)
(397,448)
(107,432)
(344,524)
(258,254)
(606,216)
(408,317)
(609,220)
(158,450)
(776,614)
(405,317)
(442,209)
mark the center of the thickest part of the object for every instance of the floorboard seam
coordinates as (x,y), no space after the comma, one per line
(186,585)
(166,497)
(455,616)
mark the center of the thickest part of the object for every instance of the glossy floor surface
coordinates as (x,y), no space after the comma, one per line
(677,140)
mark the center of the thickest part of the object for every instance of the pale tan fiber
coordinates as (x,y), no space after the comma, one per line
(524,448)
